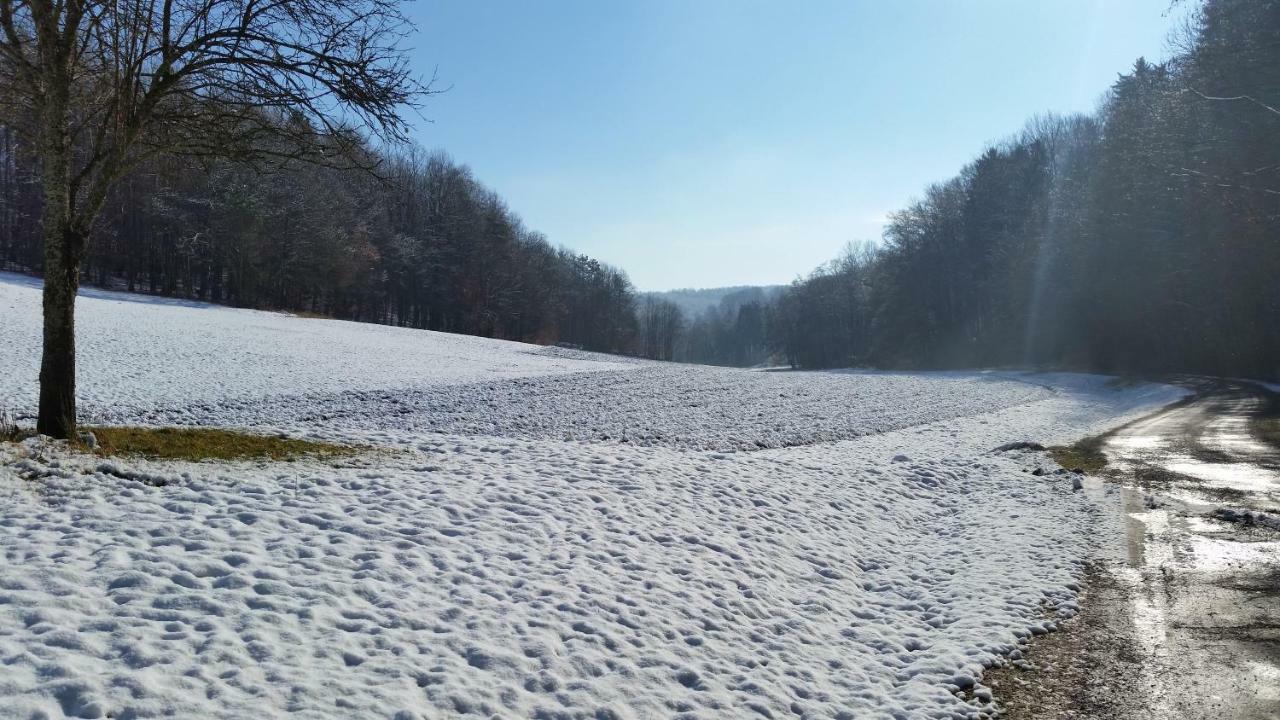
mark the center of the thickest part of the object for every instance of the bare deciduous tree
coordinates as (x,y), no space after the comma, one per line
(97,87)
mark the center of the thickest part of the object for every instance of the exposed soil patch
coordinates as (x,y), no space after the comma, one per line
(1085,455)
(208,444)
(1087,668)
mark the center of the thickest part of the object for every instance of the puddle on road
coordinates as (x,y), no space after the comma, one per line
(1239,477)
(1203,525)
(1268,677)
(1130,445)
(1219,555)
(1233,435)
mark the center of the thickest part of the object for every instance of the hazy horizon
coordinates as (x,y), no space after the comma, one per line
(719,144)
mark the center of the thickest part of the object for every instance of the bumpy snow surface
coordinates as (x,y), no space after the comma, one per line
(537,534)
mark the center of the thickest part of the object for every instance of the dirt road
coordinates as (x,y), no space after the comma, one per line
(1204,566)
(1187,626)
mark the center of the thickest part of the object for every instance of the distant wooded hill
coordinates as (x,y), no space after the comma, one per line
(694,302)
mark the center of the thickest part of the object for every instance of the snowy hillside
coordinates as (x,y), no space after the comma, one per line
(141,351)
(545,534)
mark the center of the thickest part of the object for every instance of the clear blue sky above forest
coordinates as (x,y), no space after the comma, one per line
(699,143)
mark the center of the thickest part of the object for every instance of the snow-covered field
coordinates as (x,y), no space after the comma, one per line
(540,534)
(140,352)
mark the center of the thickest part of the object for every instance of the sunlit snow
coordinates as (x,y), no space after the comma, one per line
(540,534)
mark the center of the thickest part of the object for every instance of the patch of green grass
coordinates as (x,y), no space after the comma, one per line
(1086,455)
(209,444)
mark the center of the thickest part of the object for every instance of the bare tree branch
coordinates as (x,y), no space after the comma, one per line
(99,87)
(1236,98)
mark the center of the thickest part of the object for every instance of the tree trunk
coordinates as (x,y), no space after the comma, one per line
(64,243)
(58,361)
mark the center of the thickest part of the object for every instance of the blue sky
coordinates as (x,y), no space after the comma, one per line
(700,143)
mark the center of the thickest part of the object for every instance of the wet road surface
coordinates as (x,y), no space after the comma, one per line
(1184,622)
(1201,487)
